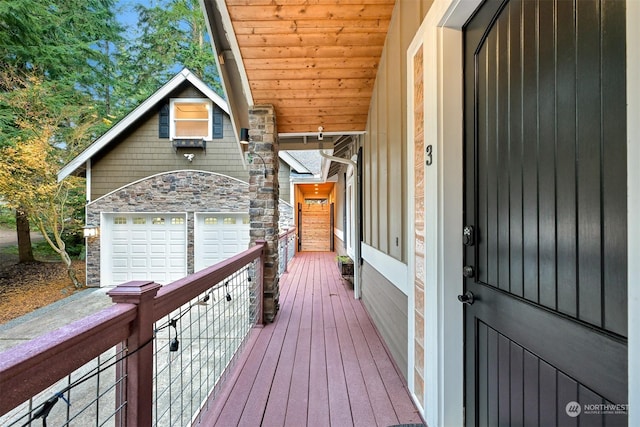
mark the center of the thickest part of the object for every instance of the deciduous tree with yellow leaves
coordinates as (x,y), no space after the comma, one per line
(47,124)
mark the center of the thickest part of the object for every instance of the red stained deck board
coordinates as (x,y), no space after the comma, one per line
(318,389)
(263,387)
(404,407)
(276,404)
(321,363)
(361,410)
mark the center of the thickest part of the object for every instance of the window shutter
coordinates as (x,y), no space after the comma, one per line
(218,123)
(163,122)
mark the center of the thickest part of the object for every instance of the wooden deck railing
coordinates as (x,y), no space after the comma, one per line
(286,248)
(129,324)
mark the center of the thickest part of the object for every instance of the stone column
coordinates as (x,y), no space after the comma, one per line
(264,194)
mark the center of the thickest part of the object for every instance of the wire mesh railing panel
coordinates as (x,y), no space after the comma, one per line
(195,343)
(194,347)
(286,249)
(89,396)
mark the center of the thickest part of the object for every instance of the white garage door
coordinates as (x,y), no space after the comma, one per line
(219,236)
(143,247)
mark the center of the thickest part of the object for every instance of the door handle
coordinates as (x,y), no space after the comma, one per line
(467,298)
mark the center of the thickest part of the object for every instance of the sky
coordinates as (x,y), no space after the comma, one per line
(126,13)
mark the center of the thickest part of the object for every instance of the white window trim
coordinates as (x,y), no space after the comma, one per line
(172,119)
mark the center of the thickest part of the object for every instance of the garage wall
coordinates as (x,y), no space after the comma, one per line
(185,191)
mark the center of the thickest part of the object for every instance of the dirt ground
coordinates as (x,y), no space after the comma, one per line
(26,287)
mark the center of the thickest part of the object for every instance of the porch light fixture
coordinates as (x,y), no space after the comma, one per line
(89,231)
(244,136)
(244,139)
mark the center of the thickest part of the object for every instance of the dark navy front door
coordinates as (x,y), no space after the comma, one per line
(545,206)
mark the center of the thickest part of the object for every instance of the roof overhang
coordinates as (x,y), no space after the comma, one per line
(316,62)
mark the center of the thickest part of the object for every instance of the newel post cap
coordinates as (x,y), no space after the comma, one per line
(134,292)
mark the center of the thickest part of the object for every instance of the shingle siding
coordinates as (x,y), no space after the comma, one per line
(143,153)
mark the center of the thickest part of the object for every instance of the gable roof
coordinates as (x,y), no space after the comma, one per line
(294,163)
(185,75)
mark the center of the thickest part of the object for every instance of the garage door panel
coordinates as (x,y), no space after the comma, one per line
(230,235)
(121,236)
(230,251)
(144,247)
(120,262)
(219,237)
(136,235)
(120,278)
(176,234)
(172,277)
(139,263)
(159,235)
(158,277)
(138,248)
(158,249)
(175,262)
(118,249)
(209,236)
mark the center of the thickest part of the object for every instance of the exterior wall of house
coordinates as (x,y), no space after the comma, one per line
(385,183)
(142,153)
(339,213)
(284,181)
(385,142)
(385,301)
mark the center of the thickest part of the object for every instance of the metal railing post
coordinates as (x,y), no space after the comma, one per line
(286,251)
(260,278)
(139,365)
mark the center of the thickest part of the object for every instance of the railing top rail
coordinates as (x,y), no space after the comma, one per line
(184,290)
(31,367)
(286,232)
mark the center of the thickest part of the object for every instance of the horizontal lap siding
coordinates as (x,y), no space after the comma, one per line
(387,306)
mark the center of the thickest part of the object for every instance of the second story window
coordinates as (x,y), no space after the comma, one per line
(190,118)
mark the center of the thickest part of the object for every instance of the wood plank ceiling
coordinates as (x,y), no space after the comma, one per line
(316,190)
(314,60)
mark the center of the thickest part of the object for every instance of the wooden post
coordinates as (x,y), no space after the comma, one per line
(139,366)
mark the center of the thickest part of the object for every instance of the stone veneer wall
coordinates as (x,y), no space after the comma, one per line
(264,195)
(187,191)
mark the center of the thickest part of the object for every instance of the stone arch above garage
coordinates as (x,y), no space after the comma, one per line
(183,190)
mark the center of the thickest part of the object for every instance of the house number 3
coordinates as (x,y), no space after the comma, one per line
(429,155)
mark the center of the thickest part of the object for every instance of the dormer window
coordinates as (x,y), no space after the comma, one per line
(190,118)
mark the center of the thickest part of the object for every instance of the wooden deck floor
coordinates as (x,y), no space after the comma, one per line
(320,363)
